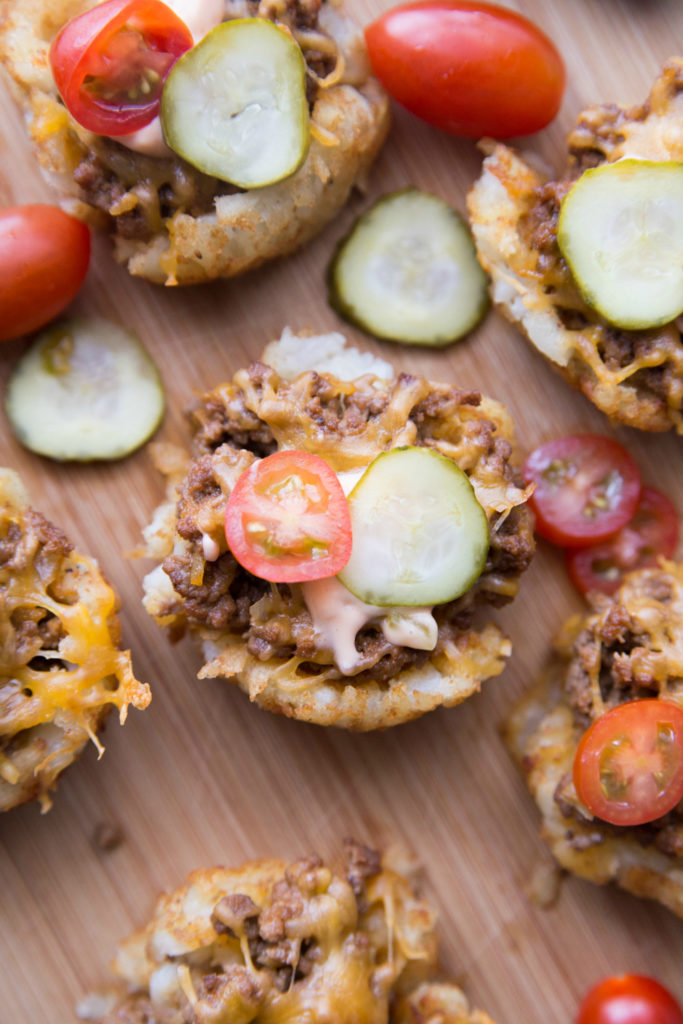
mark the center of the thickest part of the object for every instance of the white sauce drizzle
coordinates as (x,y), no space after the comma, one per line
(210,548)
(338,616)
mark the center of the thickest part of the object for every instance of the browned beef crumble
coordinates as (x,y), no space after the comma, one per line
(362,862)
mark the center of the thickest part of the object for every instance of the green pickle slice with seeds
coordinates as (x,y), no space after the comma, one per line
(420,537)
(408,272)
(621,232)
(235,107)
(86,389)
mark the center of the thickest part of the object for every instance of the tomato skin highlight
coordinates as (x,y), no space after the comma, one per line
(628,766)
(44,258)
(468,68)
(629,999)
(287,519)
(109,63)
(586,488)
(651,532)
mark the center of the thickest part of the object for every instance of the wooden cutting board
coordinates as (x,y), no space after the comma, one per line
(203,777)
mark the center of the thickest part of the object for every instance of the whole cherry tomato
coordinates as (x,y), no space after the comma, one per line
(628,766)
(629,999)
(469,68)
(109,63)
(44,257)
(653,531)
(287,519)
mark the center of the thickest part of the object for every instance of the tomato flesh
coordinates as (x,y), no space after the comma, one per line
(109,63)
(628,767)
(629,999)
(650,534)
(44,258)
(469,68)
(586,488)
(287,519)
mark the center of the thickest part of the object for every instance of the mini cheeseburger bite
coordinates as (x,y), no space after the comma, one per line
(589,265)
(272,941)
(61,669)
(259,163)
(334,533)
(601,741)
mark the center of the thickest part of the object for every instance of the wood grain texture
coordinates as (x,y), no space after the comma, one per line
(203,777)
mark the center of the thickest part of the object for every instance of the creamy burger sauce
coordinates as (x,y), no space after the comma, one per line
(200,16)
(338,616)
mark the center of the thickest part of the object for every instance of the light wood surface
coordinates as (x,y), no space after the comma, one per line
(203,777)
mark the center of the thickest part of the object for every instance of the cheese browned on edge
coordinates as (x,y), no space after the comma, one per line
(629,646)
(634,376)
(61,669)
(278,943)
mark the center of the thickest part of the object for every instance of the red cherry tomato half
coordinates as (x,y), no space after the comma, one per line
(44,257)
(653,531)
(287,519)
(628,767)
(471,69)
(109,63)
(587,488)
(629,999)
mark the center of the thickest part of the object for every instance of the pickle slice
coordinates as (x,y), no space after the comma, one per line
(86,389)
(420,537)
(621,232)
(408,272)
(235,107)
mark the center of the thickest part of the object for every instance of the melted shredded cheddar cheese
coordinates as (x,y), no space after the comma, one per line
(60,666)
(271,943)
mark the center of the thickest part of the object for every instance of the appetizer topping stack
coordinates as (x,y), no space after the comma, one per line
(61,669)
(588,265)
(214,199)
(356,611)
(601,741)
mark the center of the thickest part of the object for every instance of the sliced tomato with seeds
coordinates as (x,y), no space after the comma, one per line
(628,767)
(586,488)
(651,533)
(110,62)
(287,519)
